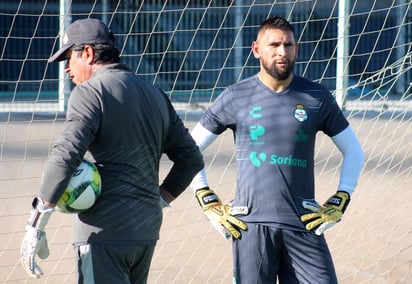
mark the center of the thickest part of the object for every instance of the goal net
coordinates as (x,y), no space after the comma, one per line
(359,49)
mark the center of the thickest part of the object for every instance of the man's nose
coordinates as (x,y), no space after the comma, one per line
(281,49)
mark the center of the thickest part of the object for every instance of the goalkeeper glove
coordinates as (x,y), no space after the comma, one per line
(34,241)
(324,217)
(221,216)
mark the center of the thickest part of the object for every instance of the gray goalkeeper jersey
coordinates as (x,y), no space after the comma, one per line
(275,143)
(125,124)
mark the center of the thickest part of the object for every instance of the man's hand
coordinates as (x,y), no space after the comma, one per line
(221,216)
(324,217)
(34,241)
(165,197)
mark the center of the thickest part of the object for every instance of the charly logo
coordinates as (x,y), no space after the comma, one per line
(256,131)
(300,113)
(255,112)
(257,159)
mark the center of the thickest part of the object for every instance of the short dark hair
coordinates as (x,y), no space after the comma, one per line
(103,53)
(276,23)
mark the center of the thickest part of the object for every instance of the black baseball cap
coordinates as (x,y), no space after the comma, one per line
(85,31)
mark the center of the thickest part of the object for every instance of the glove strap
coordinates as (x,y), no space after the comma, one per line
(163,203)
(39,215)
(340,200)
(207,198)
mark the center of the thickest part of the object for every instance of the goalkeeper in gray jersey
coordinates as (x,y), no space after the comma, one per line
(125,124)
(274,221)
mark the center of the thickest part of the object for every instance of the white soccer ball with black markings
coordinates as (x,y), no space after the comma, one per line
(83,190)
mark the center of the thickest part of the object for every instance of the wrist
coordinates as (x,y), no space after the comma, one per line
(340,200)
(164,203)
(166,195)
(207,198)
(203,188)
(344,192)
(39,214)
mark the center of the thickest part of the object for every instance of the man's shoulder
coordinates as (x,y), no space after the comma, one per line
(242,88)
(114,66)
(302,81)
(310,88)
(246,82)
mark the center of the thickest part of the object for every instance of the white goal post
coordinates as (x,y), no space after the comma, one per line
(192,49)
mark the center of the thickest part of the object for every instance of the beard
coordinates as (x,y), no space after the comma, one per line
(277,73)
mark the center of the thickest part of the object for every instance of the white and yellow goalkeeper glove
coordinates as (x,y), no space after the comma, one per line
(324,217)
(221,216)
(34,241)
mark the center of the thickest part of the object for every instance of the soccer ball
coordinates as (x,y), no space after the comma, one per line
(83,189)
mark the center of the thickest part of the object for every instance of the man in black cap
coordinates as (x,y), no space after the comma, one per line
(125,124)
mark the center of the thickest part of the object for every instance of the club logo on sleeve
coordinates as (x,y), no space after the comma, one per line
(300,113)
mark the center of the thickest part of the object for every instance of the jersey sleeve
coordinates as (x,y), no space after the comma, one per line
(221,114)
(81,125)
(333,119)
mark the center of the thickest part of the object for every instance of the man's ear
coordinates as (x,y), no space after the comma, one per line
(88,51)
(255,49)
